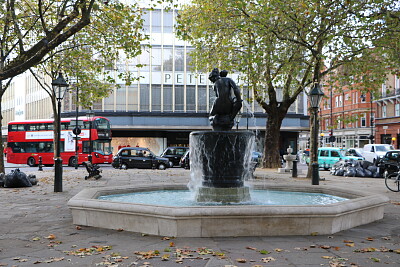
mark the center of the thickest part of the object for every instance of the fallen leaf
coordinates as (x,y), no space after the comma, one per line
(350,244)
(51,236)
(171,244)
(165,257)
(327,257)
(78,227)
(278,250)
(386,238)
(375,259)
(263,251)
(369,239)
(241,260)
(314,234)
(165,238)
(251,248)
(325,247)
(36,238)
(120,229)
(348,241)
(268,259)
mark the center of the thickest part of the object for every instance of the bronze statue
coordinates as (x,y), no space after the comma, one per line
(228,101)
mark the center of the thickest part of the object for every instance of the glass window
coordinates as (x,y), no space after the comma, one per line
(383,111)
(167,98)
(167,59)
(133,97)
(121,98)
(179,58)
(324,153)
(397,110)
(202,98)
(109,102)
(144,60)
(335,154)
(146,21)
(156,97)
(191,98)
(156,59)
(144,97)
(179,97)
(156,21)
(363,120)
(168,22)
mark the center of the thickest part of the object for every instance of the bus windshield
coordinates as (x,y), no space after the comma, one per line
(101,123)
(102,147)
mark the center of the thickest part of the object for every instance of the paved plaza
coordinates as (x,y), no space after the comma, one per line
(36,229)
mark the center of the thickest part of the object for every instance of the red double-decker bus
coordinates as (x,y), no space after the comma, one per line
(27,140)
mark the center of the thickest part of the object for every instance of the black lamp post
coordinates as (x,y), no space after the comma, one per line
(90,115)
(315,97)
(59,87)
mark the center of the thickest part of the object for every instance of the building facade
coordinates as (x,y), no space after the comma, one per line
(388,113)
(165,104)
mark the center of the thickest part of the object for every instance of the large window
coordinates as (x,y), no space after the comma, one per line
(363,120)
(383,111)
(397,110)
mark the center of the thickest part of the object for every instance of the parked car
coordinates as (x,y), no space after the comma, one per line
(327,156)
(256,158)
(389,163)
(185,161)
(174,154)
(373,152)
(138,157)
(354,152)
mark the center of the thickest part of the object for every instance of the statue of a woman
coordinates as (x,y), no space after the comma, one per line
(228,101)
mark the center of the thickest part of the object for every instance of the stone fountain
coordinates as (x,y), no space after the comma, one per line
(219,174)
(220,159)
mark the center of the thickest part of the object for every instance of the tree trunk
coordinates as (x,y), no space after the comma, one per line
(313,156)
(271,158)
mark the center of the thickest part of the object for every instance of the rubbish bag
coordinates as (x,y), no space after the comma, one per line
(350,172)
(16,178)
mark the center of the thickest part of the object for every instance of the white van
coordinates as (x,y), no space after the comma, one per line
(372,152)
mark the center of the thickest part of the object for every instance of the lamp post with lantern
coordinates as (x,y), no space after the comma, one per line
(59,88)
(315,96)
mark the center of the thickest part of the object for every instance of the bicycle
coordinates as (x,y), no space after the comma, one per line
(392,181)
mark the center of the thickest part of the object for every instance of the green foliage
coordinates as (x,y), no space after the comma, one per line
(288,45)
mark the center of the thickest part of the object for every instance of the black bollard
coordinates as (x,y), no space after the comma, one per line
(294,169)
(40,164)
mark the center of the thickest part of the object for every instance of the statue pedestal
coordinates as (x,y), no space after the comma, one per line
(220,161)
(223,195)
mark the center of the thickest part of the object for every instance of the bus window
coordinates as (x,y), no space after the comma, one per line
(101,123)
(16,127)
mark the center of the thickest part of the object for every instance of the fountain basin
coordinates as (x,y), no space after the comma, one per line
(230,220)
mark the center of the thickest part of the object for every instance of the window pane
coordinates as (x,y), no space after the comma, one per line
(144,97)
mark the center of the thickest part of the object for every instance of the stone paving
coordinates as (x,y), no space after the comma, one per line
(36,230)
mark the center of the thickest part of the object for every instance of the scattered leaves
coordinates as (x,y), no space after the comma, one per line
(82,252)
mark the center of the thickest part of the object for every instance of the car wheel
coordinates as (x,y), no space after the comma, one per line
(124,166)
(162,166)
(72,161)
(31,162)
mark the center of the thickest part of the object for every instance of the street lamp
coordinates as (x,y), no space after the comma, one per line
(59,87)
(90,115)
(315,97)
